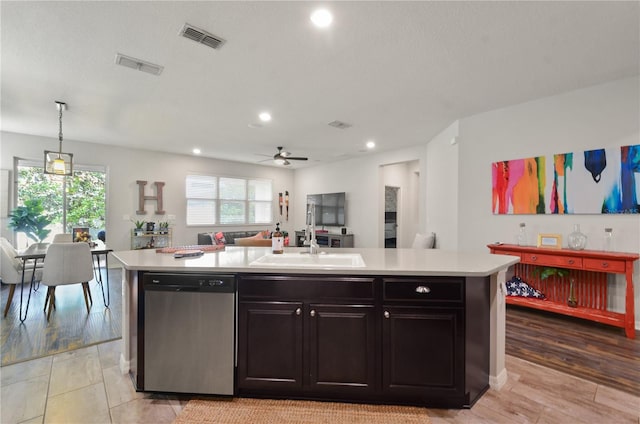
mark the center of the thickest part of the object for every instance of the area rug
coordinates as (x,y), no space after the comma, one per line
(268,411)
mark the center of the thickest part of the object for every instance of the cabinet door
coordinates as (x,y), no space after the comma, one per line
(342,349)
(423,352)
(270,345)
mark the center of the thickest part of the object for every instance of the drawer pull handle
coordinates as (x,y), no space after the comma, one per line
(298,311)
(386,314)
(534,258)
(312,313)
(571,261)
(423,290)
(605,264)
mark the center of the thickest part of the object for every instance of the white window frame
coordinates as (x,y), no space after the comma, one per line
(217,200)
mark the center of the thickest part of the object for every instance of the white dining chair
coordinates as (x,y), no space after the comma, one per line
(67,263)
(11,270)
(62,238)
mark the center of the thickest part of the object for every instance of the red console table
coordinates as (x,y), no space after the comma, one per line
(588,268)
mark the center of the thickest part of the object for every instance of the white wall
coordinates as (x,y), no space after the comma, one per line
(363,182)
(602,116)
(442,189)
(125,166)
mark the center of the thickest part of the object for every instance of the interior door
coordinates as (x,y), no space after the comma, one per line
(391,213)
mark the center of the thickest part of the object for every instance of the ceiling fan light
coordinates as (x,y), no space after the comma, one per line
(280,161)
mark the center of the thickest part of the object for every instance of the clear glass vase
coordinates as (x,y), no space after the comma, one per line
(607,245)
(577,240)
(522,235)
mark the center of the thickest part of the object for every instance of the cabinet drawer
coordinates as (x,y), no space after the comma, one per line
(552,260)
(285,287)
(604,265)
(423,290)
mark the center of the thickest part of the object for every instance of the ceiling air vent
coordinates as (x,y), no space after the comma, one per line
(139,64)
(201,36)
(339,124)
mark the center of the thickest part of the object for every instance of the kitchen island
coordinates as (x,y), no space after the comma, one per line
(415,326)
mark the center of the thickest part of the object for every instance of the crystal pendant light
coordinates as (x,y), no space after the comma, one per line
(58,163)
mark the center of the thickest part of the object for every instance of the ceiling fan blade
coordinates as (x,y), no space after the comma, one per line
(284,157)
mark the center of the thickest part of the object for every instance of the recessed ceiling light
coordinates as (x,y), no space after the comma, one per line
(265,116)
(371,144)
(196,151)
(321,18)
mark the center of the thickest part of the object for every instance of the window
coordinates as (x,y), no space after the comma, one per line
(75,201)
(228,201)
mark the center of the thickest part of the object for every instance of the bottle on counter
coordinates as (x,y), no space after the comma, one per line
(277,240)
(522,235)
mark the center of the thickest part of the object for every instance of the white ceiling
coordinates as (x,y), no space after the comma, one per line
(399,72)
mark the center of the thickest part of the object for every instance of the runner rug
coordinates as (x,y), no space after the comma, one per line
(268,411)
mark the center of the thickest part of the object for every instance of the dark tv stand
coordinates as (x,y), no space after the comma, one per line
(327,239)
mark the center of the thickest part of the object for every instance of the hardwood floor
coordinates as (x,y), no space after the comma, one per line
(595,352)
(69,328)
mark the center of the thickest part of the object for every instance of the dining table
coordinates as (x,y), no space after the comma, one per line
(38,251)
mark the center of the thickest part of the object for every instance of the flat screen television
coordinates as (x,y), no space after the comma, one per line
(330,208)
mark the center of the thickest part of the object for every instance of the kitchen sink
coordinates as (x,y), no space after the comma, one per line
(305,260)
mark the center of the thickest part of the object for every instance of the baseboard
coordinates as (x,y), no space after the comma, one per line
(125,365)
(496,382)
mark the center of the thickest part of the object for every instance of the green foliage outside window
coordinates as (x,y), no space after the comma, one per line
(83,194)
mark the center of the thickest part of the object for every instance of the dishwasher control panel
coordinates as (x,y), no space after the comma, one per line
(219,283)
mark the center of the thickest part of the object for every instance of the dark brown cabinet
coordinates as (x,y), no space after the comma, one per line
(435,336)
(423,356)
(403,340)
(341,348)
(272,333)
(306,336)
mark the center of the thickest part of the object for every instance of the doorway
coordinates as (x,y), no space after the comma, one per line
(391,206)
(399,204)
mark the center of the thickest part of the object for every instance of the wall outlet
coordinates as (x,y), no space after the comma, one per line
(126,218)
(171,217)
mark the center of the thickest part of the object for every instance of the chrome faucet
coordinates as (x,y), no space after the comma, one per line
(310,230)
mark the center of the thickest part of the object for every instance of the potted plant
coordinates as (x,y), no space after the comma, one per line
(139,227)
(544,272)
(163,227)
(31,220)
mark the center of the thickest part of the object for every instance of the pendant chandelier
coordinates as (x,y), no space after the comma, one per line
(58,163)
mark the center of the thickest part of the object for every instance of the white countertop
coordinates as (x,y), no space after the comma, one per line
(378,261)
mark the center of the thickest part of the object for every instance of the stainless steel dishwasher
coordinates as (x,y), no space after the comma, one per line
(189,329)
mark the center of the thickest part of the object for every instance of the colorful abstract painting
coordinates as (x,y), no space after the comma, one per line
(589,182)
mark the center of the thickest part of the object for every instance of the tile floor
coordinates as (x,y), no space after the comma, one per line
(86,386)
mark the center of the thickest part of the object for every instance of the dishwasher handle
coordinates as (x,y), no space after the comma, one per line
(173,288)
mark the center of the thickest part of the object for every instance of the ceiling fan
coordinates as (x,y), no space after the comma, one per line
(283,157)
